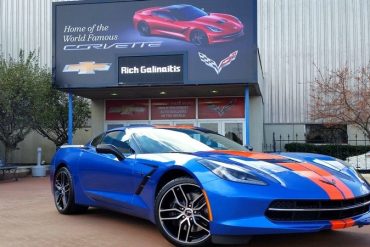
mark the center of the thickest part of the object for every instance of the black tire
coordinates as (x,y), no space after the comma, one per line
(143,28)
(63,190)
(192,224)
(199,38)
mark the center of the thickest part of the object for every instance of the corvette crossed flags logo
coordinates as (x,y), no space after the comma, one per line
(224,63)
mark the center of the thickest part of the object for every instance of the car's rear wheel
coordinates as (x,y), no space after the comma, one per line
(64,193)
(144,28)
(199,38)
(182,214)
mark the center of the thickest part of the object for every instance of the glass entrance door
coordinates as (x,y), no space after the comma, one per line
(211,126)
(232,129)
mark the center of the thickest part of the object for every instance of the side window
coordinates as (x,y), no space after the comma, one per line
(97,140)
(163,15)
(116,138)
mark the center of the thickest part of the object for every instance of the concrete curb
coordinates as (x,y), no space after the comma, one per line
(25,171)
(367,177)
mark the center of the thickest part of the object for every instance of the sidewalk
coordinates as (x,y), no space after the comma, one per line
(367,176)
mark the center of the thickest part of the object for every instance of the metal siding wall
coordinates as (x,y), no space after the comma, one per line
(297,35)
(26,24)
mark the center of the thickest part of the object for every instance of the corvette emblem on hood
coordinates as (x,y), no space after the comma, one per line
(224,63)
(330,182)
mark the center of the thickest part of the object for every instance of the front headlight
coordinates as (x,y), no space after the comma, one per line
(360,176)
(357,173)
(343,162)
(232,172)
(214,29)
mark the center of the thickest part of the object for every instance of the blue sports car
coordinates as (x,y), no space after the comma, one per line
(199,187)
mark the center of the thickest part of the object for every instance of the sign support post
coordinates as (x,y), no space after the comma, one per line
(247,117)
(70,118)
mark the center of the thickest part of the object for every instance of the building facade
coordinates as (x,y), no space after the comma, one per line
(295,39)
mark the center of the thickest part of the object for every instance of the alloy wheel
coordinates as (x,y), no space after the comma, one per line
(183,214)
(144,28)
(62,189)
(199,38)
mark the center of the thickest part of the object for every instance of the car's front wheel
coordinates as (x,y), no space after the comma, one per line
(144,28)
(182,214)
(199,38)
(64,193)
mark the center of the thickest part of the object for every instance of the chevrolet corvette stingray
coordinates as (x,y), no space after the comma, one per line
(188,23)
(199,187)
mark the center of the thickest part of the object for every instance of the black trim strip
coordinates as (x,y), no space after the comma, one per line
(145,180)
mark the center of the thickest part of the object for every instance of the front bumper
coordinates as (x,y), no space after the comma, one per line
(224,37)
(242,211)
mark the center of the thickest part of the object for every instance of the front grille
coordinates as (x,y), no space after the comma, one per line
(234,35)
(306,210)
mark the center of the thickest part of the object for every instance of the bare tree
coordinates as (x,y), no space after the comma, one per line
(343,97)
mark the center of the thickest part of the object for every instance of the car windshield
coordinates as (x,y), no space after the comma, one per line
(151,140)
(212,140)
(187,13)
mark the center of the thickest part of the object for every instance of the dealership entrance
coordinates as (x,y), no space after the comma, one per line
(231,128)
(224,115)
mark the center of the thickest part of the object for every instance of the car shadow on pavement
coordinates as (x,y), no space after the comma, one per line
(116,216)
(340,238)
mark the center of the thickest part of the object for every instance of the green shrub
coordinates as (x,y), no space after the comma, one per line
(338,151)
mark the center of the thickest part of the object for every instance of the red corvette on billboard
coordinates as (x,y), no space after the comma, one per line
(189,23)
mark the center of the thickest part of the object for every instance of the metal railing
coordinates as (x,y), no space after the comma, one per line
(354,151)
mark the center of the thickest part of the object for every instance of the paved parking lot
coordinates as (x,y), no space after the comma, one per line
(28,218)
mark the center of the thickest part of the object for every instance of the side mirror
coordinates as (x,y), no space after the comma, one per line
(249,147)
(110,149)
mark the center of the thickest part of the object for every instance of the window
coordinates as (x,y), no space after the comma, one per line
(163,15)
(320,133)
(97,140)
(119,140)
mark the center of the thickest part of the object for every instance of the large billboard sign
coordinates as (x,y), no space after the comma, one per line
(95,42)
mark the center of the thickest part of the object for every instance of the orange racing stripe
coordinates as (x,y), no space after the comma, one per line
(349,222)
(341,224)
(337,224)
(338,183)
(252,155)
(333,192)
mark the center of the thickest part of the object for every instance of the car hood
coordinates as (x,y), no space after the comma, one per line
(217,21)
(297,171)
(302,173)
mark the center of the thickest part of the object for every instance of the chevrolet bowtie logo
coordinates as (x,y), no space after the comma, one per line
(87,68)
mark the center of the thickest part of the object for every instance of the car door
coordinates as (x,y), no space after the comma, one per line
(105,179)
(164,23)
